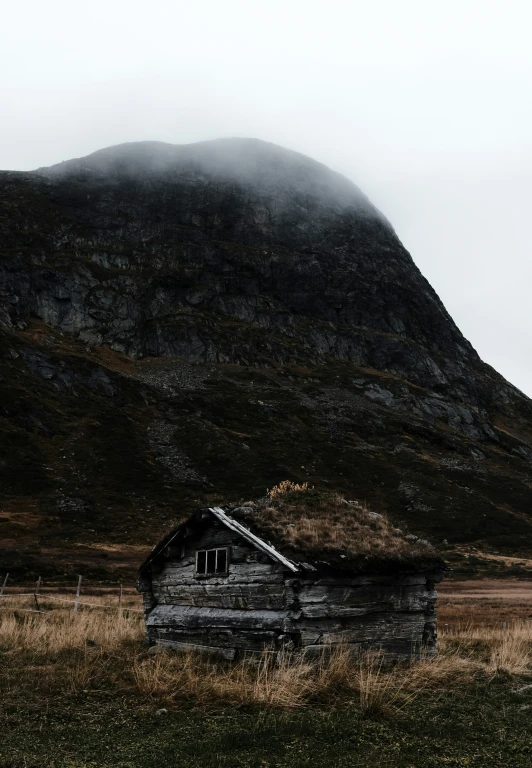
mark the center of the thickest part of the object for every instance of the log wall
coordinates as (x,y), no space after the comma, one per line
(244,610)
(261,604)
(396,615)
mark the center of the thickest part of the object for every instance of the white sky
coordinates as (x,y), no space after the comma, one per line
(426,105)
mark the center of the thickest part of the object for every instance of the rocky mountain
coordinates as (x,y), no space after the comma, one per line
(183,324)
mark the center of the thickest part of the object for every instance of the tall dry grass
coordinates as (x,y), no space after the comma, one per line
(501,649)
(278,681)
(55,631)
(295,681)
(61,651)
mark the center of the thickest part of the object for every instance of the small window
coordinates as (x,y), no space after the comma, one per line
(210,561)
(221,560)
(201,562)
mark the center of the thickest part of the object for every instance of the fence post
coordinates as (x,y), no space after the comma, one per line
(78,592)
(4,584)
(36,593)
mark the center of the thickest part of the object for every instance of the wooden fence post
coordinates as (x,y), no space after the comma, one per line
(78,592)
(4,584)
(36,593)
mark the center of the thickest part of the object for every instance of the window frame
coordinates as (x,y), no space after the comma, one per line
(212,574)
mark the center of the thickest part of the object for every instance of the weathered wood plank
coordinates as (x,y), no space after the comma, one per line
(320,650)
(183,616)
(242,641)
(214,537)
(393,580)
(238,573)
(224,653)
(341,611)
(326,610)
(238,596)
(374,629)
(348,595)
(238,554)
(176,564)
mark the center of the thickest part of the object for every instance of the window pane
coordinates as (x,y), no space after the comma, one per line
(221,562)
(211,561)
(201,562)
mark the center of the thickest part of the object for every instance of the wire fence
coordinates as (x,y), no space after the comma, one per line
(43,597)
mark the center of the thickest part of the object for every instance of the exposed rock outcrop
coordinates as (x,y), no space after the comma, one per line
(147,247)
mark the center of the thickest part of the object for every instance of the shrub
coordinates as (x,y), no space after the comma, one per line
(286,487)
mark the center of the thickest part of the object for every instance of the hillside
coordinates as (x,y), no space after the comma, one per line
(182,325)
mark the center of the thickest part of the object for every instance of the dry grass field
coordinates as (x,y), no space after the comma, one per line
(62,662)
(489,603)
(485,629)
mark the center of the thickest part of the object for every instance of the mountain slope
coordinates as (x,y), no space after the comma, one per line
(196,322)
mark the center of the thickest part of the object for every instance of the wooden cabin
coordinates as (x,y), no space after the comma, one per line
(215,585)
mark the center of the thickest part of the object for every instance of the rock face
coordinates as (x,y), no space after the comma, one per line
(143,247)
(233,256)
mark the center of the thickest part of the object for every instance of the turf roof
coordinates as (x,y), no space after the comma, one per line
(326,531)
(322,528)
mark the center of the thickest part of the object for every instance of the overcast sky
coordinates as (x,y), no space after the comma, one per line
(426,105)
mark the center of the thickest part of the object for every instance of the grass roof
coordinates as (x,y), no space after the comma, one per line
(314,526)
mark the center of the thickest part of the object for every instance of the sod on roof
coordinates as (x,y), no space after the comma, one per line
(323,528)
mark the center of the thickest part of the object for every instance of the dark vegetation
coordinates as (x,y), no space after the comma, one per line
(478,726)
(85,462)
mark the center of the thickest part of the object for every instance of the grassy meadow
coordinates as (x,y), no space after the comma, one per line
(81,689)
